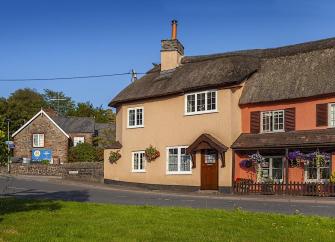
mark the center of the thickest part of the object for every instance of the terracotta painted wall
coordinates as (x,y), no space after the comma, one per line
(295,174)
(166,125)
(305,112)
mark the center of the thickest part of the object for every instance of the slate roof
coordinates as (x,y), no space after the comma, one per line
(75,124)
(303,138)
(289,72)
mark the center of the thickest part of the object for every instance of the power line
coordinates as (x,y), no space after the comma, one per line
(66,78)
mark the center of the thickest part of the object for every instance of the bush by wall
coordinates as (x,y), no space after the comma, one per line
(85,152)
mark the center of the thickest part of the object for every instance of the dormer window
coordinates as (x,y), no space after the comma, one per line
(201,102)
(272,121)
(136,117)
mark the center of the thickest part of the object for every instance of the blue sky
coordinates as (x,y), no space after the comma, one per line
(70,38)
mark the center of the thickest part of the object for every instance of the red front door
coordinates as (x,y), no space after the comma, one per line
(209,170)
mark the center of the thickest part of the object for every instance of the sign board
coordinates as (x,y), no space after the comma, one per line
(41,154)
(73,172)
(9,142)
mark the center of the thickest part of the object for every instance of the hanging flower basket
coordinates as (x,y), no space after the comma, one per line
(297,158)
(114,156)
(151,153)
(246,164)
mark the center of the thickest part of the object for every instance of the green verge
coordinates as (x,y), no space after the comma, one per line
(43,220)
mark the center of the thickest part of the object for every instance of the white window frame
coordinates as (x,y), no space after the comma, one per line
(39,140)
(136,125)
(133,162)
(318,179)
(195,102)
(273,123)
(179,172)
(271,168)
(330,116)
(77,140)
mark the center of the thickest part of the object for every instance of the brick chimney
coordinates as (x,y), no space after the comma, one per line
(172,50)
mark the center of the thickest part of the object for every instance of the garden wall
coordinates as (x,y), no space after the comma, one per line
(80,171)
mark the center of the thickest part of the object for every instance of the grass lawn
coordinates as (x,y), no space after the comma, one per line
(29,220)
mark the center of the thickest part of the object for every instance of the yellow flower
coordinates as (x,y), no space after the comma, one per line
(2,134)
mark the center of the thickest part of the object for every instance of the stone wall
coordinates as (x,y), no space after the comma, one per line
(80,171)
(84,171)
(54,139)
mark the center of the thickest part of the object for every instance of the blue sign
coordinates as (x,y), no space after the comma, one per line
(41,154)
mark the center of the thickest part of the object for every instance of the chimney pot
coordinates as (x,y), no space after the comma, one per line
(174,29)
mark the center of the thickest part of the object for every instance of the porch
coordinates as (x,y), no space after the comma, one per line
(287,163)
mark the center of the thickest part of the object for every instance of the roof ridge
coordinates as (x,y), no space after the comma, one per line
(267,53)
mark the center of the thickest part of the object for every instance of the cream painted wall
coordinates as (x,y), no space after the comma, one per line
(165,125)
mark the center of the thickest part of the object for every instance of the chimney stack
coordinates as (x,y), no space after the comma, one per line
(172,50)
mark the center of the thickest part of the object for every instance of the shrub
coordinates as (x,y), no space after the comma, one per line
(85,152)
(45,162)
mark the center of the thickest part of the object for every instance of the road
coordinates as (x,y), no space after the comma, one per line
(52,188)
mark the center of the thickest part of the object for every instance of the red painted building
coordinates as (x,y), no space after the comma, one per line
(288,117)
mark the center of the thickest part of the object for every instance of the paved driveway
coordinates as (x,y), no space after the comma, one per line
(52,188)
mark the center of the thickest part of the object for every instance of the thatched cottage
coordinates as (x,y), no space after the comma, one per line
(207,118)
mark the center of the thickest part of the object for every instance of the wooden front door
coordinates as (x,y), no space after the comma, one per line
(209,170)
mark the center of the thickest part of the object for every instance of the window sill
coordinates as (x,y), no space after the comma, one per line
(138,171)
(135,127)
(271,132)
(179,173)
(202,112)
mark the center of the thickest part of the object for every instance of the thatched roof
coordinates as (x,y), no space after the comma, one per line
(302,138)
(216,72)
(288,72)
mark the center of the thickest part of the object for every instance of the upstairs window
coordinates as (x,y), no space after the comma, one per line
(331,115)
(38,140)
(272,121)
(135,117)
(78,140)
(201,102)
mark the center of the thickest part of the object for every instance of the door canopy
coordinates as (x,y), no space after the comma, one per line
(206,142)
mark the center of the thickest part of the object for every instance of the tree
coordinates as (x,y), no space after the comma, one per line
(3,148)
(22,105)
(88,110)
(63,106)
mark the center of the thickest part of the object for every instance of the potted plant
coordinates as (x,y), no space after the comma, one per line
(151,153)
(114,156)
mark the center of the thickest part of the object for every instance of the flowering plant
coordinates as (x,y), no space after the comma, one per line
(151,153)
(316,158)
(114,156)
(257,158)
(246,164)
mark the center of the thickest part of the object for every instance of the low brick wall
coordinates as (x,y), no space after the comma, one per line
(81,171)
